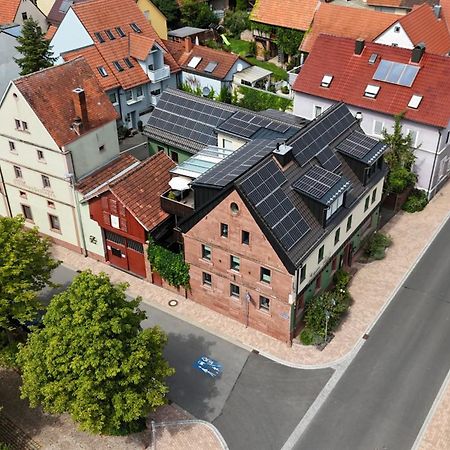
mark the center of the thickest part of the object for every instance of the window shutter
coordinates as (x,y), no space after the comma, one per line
(106,218)
(105,203)
(123,224)
(113,206)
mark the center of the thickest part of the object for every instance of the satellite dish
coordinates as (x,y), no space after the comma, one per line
(206,91)
(239,67)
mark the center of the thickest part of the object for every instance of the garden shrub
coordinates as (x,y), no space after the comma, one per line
(341,279)
(235,22)
(259,100)
(416,201)
(399,179)
(376,245)
(308,337)
(8,352)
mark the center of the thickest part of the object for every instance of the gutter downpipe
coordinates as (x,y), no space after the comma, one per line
(434,164)
(77,205)
(8,205)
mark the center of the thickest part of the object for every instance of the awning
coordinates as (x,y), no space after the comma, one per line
(180,183)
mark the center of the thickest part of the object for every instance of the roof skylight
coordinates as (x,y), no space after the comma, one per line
(110,35)
(118,66)
(135,27)
(415,101)
(211,67)
(326,81)
(128,62)
(194,62)
(120,32)
(102,71)
(371,91)
(99,37)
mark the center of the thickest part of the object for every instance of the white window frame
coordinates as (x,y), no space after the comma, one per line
(335,206)
(115,222)
(316,109)
(375,122)
(414,135)
(371,91)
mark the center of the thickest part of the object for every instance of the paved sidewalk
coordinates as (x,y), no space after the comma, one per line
(371,288)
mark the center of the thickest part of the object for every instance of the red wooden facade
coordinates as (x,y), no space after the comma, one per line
(124,236)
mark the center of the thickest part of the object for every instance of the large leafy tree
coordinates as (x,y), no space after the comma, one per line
(93,360)
(196,13)
(171,10)
(35,49)
(26,266)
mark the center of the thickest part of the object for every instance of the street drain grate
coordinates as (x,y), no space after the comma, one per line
(14,437)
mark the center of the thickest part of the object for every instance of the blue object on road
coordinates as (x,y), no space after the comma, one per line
(208,366)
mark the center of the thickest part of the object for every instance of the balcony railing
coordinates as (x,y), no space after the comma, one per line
(181,207)
(159,74)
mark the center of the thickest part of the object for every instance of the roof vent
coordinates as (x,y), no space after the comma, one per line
(417,52)
(283,154)
(359,46)
(437,11)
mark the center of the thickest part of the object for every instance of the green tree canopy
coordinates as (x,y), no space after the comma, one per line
(35,49)
(26,266)
(93,360)
(171,10)
(195,13)
(235,22)
(288,40)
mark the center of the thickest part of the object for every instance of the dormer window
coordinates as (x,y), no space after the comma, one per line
(128,62)
(371,91)
(415,101)
(334,207)
(120,32)
(135,27)
(326,81)
(99,37)
(194,62)
(102,71)
(110,35)
(118,66)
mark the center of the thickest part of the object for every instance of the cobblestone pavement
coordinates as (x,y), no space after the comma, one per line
(29,429)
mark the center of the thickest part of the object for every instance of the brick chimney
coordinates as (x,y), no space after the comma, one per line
(81,113)
(187,44)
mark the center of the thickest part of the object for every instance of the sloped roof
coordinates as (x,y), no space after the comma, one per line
(100,15)
(8,10)
(104,174)
(59,10)
(140,189)
(422,25)
(352,73)
(224,60)
(295,14)
(445,12)
(140,46)
(348,22)
(405,4)
(49,93)
(51,32)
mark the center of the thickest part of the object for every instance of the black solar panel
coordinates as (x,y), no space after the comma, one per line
(263,190)
(190,119)
(357,144)
(328,159)
(236,164)
(321,132)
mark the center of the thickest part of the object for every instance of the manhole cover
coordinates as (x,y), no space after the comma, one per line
(173,302)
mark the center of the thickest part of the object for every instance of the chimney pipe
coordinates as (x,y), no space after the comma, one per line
(79,103)
(437,11)
(187,44)
(417,53)
(359,46)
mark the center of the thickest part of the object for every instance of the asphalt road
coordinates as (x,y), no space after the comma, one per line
(255,403)
(383,398)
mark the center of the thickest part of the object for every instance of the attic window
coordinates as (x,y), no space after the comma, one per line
(110,35)
(373,58)
(397,29)
(128,63)
(211,67)
(118,66)
(99,37)
(326,81)
(194,62)
(120,32)
(134,27)
(415,101)
(102,71)
(371,91)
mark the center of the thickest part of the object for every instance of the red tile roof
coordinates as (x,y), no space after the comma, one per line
(445,12)
(140,189)
(49,93)
(351,73)
(8,10)
(348,22)
(140,46)
(421,25)
(391,3)
(100,15)
(295,14)
(105,173)
(224,60)
(50,32)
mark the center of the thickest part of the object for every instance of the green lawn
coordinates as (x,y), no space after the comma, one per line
(243,47)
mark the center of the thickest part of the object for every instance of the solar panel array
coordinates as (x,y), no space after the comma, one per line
(263,190)
(328,159)
(396,73)
(237,163)
(247,124)
(357,144)
(319,134)
(188,118)
(316,182)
